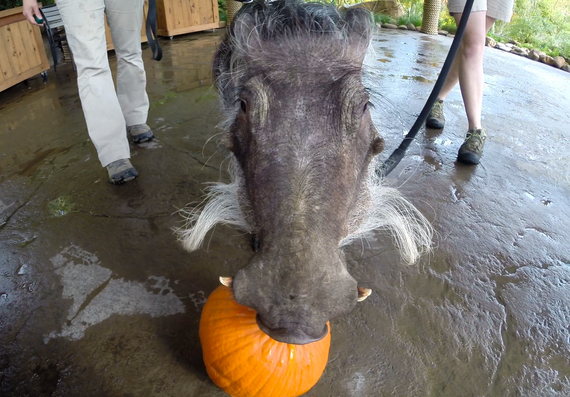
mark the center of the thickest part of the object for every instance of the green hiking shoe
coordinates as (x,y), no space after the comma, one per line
(471,150)
(435,118)
(140,133)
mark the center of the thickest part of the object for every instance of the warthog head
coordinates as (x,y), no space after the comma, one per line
(289,75)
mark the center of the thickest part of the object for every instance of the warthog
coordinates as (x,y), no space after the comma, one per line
(289,76)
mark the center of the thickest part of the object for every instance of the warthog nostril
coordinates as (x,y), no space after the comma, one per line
(292,297)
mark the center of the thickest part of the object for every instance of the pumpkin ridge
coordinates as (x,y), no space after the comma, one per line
(220,332)
(275,376)
(239,347)
(246,386)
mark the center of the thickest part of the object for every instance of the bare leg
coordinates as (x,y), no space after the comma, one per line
(467,67)
(453,76)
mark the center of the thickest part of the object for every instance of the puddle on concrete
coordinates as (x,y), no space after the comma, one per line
(60,206)
(417,78)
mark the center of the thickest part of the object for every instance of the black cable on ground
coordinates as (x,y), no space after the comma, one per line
(399,153)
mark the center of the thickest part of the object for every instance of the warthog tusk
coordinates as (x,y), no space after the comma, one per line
(363,293)
(227,281)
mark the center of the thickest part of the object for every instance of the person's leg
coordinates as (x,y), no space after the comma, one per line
(470,65)
(125,20)
(85,31)
(470,68)
(470,53)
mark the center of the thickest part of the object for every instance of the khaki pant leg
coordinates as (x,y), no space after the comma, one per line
(125,19)
(85,30)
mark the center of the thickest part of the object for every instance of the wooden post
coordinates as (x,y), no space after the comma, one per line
(430,19)
(232,8)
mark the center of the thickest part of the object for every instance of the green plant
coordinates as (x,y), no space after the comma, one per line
(222,10)
(383,18)
(403,20)
(7,4)
(446,21)
(541,24)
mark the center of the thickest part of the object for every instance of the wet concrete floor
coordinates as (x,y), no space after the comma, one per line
(97,298)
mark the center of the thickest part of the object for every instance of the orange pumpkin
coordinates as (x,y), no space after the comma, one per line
(245,362)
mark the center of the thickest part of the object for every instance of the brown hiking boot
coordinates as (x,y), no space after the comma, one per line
(471,150)
(435,118)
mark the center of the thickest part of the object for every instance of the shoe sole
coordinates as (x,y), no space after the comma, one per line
(143,138)
(468,158)
(438,125)
(124,177)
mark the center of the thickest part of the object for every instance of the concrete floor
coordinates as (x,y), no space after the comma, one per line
(97,298)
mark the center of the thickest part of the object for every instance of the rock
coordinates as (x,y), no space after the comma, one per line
(443,32)
(503,47)
(490,42)
(514,42)
(403,27)
(534,55)
(510,45)
(389,26)
(411,26)
(542,56)
(566,68)
(379,25)
(520,51)
(559,61)
(549,60)
(386,7)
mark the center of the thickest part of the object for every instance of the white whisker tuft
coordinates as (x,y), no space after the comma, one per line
(220,206)
(386,209)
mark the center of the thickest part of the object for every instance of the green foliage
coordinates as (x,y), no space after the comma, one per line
(340,3)
(536,24)
(541,24)
(446,21)
(7,4)
(222,10)
(382,18)
(413,11)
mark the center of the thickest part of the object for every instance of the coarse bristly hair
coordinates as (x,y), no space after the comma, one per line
(291,22)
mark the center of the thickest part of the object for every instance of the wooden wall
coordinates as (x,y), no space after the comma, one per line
(144,39)
(184,16)
(22,51)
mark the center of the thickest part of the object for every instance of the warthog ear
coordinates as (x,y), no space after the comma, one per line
(359,27)
(377,145)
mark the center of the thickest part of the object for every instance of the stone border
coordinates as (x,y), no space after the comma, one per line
(512,46)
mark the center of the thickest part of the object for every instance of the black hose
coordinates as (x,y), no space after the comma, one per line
(399,153)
